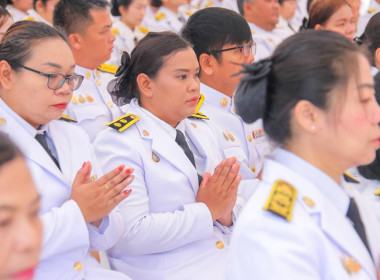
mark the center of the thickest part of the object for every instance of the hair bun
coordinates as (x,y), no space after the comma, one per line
(250,96)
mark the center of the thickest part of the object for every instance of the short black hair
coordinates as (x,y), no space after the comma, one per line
(371,37)
(212,28)
(116,5)
(74,15)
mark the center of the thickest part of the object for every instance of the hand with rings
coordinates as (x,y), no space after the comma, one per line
(97,198)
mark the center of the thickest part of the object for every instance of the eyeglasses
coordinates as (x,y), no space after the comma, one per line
(247,49)
(55,81)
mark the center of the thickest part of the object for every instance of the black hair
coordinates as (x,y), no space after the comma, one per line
(212,28)
(116,5)
(74,15)
(8,151)
(370,39)
(147,57)
(17,43)
(307,66)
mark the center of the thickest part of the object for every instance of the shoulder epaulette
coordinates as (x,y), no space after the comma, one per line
(143,29)
(67,118)
(159,16)
(281,200)
(199,115)
(377,192)
(115,31)
(252,32)
(124,122)
(350,178)
(109,68)
(371,10)
(29,18)
(209,4)
(188,13)
(200,102)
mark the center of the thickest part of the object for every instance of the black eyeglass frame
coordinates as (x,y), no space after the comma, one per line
(253,47)
(49,75)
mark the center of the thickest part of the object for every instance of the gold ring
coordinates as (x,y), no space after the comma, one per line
(107,187)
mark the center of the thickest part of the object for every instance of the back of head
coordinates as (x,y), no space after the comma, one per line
(147,57)
(307,66)
(212,28)
(370,39)
(18,41)
(74,15)
(320,11)
(8,151)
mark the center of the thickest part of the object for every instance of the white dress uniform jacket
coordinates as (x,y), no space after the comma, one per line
(34,16)
(252,138)
(374,7)
(285,28)
(300,14)
(266,41)
(166,20)
(126,40)
(319,242)
(67,238)
(168,234)
(16,14)
(91,105)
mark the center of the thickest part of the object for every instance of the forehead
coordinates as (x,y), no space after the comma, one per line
(100,18)
(51,50)
(342,13)
(182,59)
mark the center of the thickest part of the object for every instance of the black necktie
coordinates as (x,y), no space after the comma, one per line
(41,138)
(181,141)
(354,215)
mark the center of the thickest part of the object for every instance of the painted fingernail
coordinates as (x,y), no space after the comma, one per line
(129,179)
(121,167)
(129,170)
(126,192)
(84,164)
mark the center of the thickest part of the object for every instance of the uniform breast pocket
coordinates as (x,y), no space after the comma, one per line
(235,151)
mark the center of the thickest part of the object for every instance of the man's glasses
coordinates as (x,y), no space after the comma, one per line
(56,81)
(247,49)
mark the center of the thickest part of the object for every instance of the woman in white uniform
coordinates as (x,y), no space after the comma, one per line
(177,224)
(304,221)
(37,80)
(127,27)
(20,226)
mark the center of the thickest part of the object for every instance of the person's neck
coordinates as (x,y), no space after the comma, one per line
(127,23)
(82,61)
(318,158)
(215,84)
(173,8)
(263,25)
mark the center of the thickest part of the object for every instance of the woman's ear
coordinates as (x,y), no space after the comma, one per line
(318,27)
(144,83)
(307,116)
(6,75)
(377,58)
(206,63)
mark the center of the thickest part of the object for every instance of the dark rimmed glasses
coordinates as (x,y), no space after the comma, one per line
(247,49)
(55,81)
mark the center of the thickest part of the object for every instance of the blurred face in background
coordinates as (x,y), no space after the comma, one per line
(133,14)
(288,9)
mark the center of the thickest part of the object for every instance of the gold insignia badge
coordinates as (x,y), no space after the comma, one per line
(97,73)
(230,135)
(145,133)
(371,10)
(281,200)
(225,135)
(219,245)
(74,99)
(124,122)
(110,104)
(350,264)
(143,29)
(224,102)
(309,202)
(194,125)
(159,16)
(3,121)
(250,138)
(155,157)
(377,192)
(88,74)
(115,31)
(81,99)
(98,83)
(109,68)
(89,98)
(67,118)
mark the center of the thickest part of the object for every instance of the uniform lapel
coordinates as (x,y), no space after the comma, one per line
(165,147)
